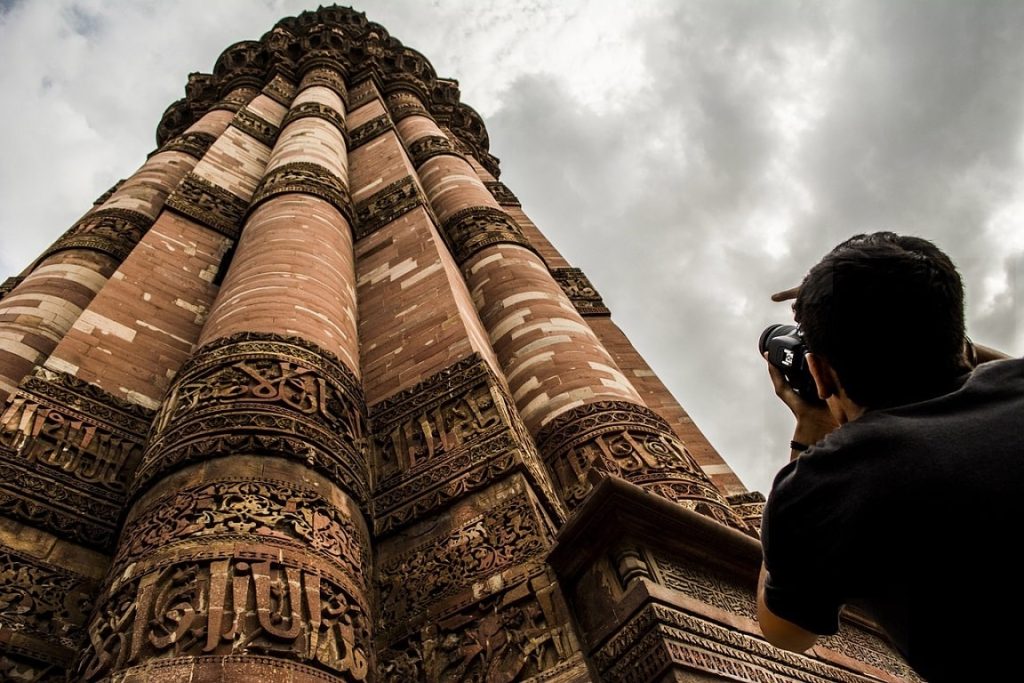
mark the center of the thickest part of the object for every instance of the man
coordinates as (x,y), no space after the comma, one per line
(902,494)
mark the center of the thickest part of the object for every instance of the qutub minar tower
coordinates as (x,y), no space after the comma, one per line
(308,397)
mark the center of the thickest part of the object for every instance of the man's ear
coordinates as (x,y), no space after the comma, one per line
(824,376)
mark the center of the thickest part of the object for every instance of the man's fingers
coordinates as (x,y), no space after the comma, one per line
(778,381)
(787,294)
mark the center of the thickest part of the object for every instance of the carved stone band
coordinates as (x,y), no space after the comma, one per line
(399,110)
(239,601)
(749,506)
(255,126)
(429,147)
(306,178)
(386,205)
(361,94)
(369,131)
(280,90)
(317,110)
(501,193)
(209,204)
(579,290)
(470,230)
(46,608)
(630,441)
(194,144)
(111,231)
(326,77)
(262,394)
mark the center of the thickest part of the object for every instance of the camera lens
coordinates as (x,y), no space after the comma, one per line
(771,332)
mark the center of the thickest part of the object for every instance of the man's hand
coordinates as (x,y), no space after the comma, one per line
(813,421)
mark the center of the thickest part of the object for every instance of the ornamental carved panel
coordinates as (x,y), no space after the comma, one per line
(315,110)
(194,144)
(448,436)
(470,230)
(44,602)
(263,394)
(327,78)
(241,604)
(255,126)
(111,231)
(511,535)
(626,440)
(67,451)
(281,90)
(369,131)
(307,178)
(516,635)
(501,193)
(387,204)
(429,147)
(581,293)
(209,204)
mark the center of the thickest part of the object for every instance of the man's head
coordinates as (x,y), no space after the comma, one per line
(887,314)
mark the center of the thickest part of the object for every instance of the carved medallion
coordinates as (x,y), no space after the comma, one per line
(209,204)
(306,178)
(470,230)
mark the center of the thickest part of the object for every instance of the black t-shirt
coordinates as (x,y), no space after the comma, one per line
(913,514)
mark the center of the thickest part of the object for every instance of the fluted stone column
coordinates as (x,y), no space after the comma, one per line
(40,310)
(246,553)
(587,417)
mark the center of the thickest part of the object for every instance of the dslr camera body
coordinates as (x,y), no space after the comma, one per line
(786,351)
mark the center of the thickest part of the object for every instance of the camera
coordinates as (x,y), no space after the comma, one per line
(786,348)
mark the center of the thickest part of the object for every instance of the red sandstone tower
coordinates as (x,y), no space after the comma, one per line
(308,397)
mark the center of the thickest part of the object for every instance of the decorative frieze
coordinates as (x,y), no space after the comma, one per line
(317,110)
(110,231)
(255,126)
(280,513)
(749,506)
(361,94)
(246,602)
(306,178)
(262,393)
(510,535)
(429,147)
(450,435)
(209,204)
(577,287)
(369,131)
(67,450)
(44,602)
(280,90)
(501,193)
(327,78)
(386,205)
(194,144)
(629,441)
(515,635)
(403,103)
(470,230)
(661,637)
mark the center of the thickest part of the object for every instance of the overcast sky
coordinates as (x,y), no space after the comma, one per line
(691,157)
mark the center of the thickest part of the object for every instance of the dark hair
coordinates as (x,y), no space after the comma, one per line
(887,312)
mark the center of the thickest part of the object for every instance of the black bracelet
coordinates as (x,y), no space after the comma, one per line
(797,446)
